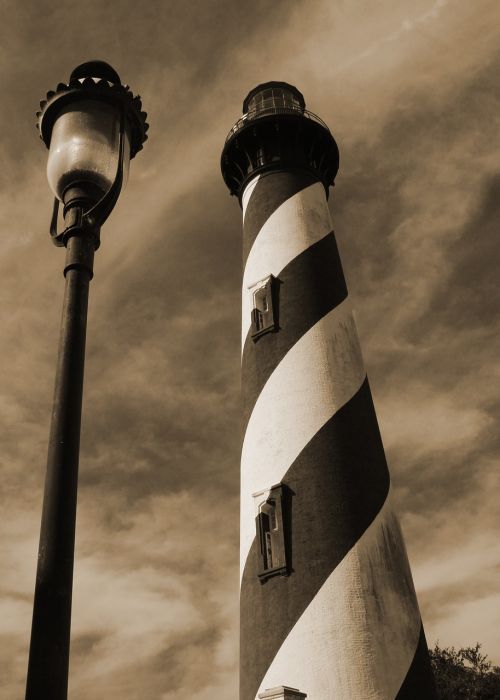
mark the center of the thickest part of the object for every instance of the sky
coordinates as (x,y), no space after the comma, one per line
(410,92)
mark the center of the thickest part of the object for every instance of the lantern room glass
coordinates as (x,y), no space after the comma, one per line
(273,100)
(84,147)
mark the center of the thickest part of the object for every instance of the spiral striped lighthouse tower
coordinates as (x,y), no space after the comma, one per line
(328,608)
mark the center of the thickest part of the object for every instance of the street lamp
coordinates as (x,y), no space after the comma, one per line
(92,127)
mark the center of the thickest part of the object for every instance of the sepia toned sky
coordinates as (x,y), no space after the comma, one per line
(410,91)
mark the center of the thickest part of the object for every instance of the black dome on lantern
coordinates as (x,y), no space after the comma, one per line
(96,69)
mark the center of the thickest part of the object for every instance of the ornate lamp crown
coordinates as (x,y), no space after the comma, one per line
(95,80)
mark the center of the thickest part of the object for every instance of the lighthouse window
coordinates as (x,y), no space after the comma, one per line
(271,535)
(264,306)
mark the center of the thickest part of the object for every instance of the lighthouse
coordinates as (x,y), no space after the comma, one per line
(328,609)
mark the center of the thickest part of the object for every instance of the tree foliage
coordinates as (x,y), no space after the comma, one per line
(464,674)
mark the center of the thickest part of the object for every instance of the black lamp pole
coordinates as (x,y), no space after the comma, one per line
(86,206)
(50,634)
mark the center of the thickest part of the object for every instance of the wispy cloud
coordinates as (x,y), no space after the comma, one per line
(411,23)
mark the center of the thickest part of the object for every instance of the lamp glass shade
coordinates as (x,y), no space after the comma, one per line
(84,147)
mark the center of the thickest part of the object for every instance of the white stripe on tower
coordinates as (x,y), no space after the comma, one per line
(297,223)
(363,621)
(316,377)
(246,194)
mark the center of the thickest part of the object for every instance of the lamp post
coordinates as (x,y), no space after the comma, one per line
(92,127)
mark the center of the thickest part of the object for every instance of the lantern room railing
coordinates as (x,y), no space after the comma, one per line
(267,110)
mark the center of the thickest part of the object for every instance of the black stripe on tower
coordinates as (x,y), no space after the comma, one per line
(419,674)
(337,485)
(265,200)
(308,288)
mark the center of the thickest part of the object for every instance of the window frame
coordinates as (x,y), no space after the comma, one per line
(275,536)
(264,320)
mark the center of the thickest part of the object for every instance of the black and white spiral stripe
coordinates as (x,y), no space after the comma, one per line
(345,623)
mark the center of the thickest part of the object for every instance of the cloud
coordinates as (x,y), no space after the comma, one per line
(169,601)
(430,423)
